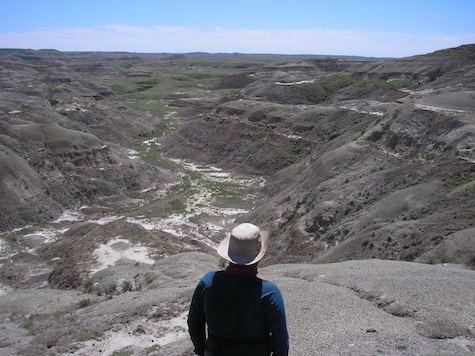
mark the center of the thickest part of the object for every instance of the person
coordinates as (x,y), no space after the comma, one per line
(245,315)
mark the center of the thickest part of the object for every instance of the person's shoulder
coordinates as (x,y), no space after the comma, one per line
(269,288)
(207,279)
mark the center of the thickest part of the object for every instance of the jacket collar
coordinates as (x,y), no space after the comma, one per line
(247,271)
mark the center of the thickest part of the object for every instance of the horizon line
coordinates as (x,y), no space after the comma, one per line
(226,53)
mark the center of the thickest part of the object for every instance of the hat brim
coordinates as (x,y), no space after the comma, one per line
(223,251)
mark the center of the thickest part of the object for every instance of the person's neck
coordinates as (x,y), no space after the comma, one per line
(248,271)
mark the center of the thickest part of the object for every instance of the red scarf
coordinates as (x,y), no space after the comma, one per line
(248,271)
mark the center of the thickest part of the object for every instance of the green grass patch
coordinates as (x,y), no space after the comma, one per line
(338,81)
(152,349)
(28,323)
(320,90)
(12,237)
(440,257)
(149,81)
(180,78)
(420,213)
(357,134)
(167,126)
(156,108)
(123,86)
(28,58)
(126,286)
(111,288)
(148,94)
(165,81)
(459,183)
(123,353)
(177,206)
(155,158)
(180,188)
(335,259)
(201,75)
(89,334)
(223,190)
(399,84)
(289,152)
(128,65)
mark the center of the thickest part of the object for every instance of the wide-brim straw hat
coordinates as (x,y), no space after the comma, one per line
(246,245)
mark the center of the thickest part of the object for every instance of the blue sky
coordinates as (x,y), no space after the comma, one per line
(363,27)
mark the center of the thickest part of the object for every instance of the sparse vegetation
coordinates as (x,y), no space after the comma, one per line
(177,206)
(152,349)
(111,289)
(440,257)
(323,88)
(149,277)
(155,158)
(221,189)
(317,92)
(122,353)
(148,94)
(85,302)
(126,65)
(222,263)
(357,134)
(167,126)
(459,183)
(89,286)
(127,286)
(420,213)
(28,58)
(89,334)
(28,323)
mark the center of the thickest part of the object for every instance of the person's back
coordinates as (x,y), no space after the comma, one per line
(245,315)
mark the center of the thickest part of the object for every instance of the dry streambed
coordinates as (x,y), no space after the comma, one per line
(213,199)
(196,210)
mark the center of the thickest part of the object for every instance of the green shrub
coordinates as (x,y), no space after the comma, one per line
(440,257)
(177,206)
(123,353)
(150,81)
(458,183)
(28,58)
(127,286)
(200,75)
(335,259)
(84,303)
(149,277)
(111,289)
(28,323)
(126,65)
(89,286)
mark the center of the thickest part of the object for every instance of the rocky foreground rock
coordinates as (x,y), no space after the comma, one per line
(366,307)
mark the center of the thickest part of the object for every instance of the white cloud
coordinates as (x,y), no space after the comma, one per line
(189,39)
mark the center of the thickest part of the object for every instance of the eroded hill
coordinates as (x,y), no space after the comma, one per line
(366,159)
